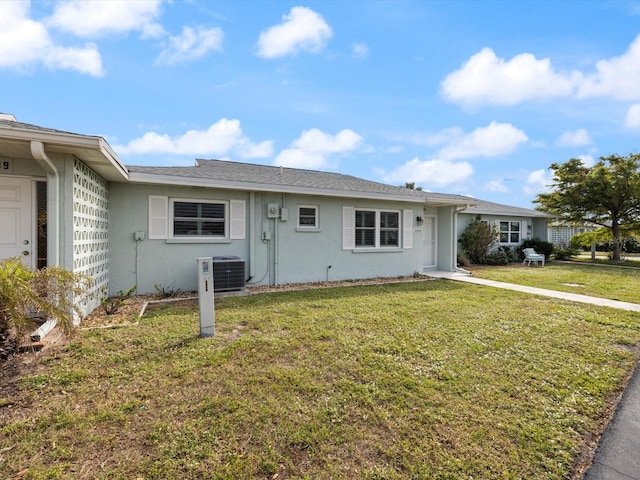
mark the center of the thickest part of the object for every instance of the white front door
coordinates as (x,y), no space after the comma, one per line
(16,220)
(429,243)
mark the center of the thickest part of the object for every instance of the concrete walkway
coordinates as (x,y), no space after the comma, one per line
(574,297)
(617,456)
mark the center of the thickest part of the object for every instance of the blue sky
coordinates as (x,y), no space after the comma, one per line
(470,97)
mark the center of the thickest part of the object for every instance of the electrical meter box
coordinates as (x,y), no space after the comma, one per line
(273,210)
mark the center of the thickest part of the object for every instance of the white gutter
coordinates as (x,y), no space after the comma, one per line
(53,204)
(57,139)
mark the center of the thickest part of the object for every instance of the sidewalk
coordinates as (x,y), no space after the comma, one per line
(617,456)
(574,297)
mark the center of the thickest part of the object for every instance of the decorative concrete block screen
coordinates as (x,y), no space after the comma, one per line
(90,230)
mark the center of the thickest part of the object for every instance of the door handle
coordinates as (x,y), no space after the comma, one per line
(25,252)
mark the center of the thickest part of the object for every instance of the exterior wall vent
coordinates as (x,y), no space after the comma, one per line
(228,274)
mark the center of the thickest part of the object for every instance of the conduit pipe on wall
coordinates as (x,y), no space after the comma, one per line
(252,239)
(53,204)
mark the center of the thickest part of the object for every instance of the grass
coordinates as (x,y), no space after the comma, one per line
(610,282)
(420,380)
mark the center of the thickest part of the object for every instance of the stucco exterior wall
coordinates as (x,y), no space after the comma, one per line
(287,254)
(447,227)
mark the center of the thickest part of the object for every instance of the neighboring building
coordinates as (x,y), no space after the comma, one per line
(66,199)
(514,224)
(560,233)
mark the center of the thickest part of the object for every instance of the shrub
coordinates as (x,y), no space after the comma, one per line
(497,257)
(540,246)
(565,253)
(510,253)
(166,292)
(462,259)
(111,305)
(51,292)
(478,239)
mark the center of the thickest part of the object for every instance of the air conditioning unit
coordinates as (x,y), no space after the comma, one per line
(228,274)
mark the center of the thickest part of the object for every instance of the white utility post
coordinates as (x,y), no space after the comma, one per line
(205,297)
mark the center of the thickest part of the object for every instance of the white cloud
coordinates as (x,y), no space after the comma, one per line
(435,173)
(576,138)
(360,50)
(316,141)
(537,182)
(487,79)
(101,17)
(494,140)
(302,29)
(496,186)
(85,60)
(587,160)
(296,158)
(632,119)
(313,147)
(616,77)
(190,45)
(220,139)
(25,43)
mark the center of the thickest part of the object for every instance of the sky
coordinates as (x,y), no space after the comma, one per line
(475,98)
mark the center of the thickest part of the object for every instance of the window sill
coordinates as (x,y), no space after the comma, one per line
(307,230)
(378,250)
(198,240)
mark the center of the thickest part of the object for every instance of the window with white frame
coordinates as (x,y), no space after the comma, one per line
(509,232)
(201,218)
(308,217)
(377,228)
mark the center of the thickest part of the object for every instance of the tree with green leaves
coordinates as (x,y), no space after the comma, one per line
(411,186)
(478,239)
(606,194)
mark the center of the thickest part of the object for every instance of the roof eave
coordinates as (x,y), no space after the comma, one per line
(111,169)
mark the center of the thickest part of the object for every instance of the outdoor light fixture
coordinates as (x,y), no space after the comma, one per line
(419,220)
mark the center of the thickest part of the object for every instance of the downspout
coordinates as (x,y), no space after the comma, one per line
(53,224)
(53,204)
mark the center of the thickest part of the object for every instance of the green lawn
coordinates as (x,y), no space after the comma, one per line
(431,379)
(611,282)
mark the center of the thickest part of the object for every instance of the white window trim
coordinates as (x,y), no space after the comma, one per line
(306,228)
(227,220)
(377,229)
(509,232)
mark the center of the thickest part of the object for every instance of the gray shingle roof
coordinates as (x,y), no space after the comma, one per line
(260,177)
(11,124)
(489,208)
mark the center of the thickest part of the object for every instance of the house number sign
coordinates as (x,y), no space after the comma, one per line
(6,166)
